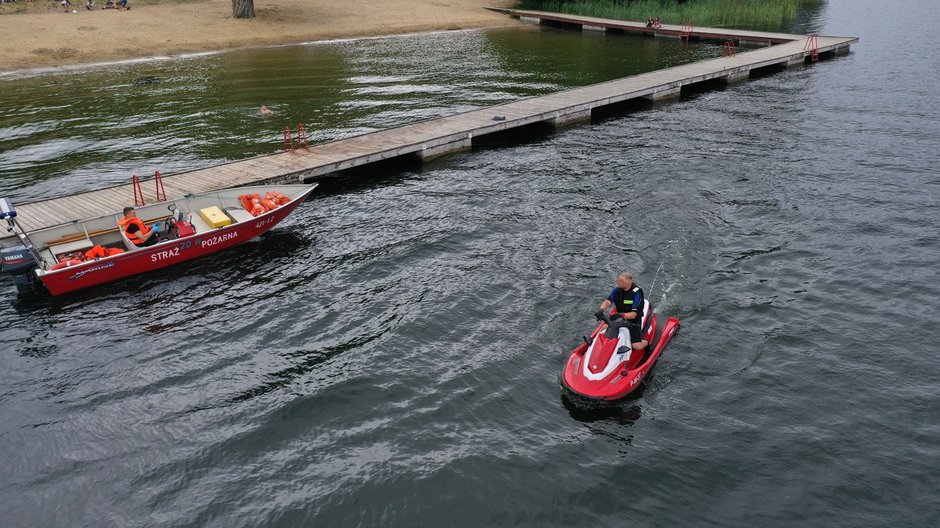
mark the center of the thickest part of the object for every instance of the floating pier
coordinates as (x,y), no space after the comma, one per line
(435,137)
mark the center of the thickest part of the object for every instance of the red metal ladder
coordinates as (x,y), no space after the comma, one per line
(685,32)
(161,190)
(138,192)
(730,49)
(288,139)
(812,45)
(302,136)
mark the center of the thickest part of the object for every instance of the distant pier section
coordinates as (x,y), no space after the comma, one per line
(460,132)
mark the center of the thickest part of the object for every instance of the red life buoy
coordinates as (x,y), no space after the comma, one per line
(65,264)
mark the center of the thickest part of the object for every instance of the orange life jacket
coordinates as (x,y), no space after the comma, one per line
(102,252)
(126,222)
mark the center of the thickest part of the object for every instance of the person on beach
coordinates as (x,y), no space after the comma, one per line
(136,230)
(628,299)
(123,5)
(110,5)
(66,5)
(90,5)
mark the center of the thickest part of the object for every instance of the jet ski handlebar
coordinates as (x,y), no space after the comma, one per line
(614,322)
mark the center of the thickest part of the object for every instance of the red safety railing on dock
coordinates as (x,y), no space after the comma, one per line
(812,45)
(730,49)
(138,192)
(161,190)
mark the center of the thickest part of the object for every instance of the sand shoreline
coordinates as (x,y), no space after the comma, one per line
(83,66)
(54,41)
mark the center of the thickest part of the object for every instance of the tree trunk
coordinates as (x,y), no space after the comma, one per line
(243,8)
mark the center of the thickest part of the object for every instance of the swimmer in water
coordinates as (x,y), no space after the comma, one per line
(266,111)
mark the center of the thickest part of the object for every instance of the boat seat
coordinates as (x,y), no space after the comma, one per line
(127,242)
(239,214)
(47,257)
(199,224)
(71,247)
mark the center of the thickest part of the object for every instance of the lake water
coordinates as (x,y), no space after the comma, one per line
(390,355)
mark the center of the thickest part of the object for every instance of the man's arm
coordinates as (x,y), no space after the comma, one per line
(142,235)
(609,300)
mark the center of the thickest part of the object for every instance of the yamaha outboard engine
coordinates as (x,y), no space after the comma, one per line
(19,264)
(19,260)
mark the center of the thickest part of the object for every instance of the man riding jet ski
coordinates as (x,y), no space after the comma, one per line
(628,299)
(623,348)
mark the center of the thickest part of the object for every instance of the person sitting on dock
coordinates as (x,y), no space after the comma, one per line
(136,230)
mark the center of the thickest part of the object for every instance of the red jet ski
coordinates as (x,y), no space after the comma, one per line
(606,367)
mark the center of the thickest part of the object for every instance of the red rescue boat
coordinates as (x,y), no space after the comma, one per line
(93,251)
(606,367)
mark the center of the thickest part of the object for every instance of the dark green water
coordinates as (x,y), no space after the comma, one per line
(390,355)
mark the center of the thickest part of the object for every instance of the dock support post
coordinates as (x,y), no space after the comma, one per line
(530,20)
(461,145)
(796,61)
(665,93)
(570,118)
(732,78)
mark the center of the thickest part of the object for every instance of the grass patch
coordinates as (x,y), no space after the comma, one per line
(755,14)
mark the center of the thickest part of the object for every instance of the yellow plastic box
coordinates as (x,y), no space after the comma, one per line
(214,217)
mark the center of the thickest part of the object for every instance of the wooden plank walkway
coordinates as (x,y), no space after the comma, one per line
(435,137)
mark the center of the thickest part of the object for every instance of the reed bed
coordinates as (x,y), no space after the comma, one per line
(755,14)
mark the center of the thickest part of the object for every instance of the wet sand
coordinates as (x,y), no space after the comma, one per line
(43,37)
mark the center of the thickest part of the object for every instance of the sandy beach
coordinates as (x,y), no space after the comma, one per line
(40,35)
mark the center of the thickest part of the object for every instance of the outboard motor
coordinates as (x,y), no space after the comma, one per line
(19,264)
(19,260)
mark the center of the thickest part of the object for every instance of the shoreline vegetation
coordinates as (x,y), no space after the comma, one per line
(742,14)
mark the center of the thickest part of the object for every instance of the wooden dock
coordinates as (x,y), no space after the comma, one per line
(436,137)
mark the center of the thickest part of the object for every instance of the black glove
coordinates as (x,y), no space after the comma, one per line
(599,315)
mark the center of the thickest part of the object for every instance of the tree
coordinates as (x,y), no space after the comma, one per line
(243,8)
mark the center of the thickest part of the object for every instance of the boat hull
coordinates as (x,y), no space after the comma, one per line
(143,260)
